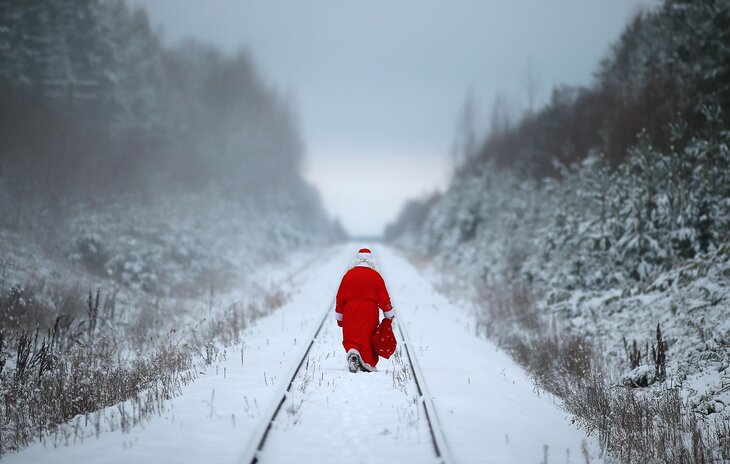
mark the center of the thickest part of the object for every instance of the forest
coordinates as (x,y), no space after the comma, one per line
(597,230)
(122,124)
(136,181)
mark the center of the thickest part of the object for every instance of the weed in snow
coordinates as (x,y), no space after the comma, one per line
(60,384)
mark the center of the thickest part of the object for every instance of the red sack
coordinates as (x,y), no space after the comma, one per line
(383,339)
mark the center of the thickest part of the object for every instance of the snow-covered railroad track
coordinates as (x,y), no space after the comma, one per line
(440,445)
(419,399)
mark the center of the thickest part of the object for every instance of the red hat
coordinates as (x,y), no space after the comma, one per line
(365,253)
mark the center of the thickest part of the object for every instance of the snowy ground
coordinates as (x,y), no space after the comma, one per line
(485,402)
(335,416)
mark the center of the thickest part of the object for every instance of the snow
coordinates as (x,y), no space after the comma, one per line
(575,243)
(212,418)
(486,403)
(333,416)
(488,407)
(640,376)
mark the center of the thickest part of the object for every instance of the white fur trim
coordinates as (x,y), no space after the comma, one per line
(367,366)
(363,262)
(338,316)
(389,314)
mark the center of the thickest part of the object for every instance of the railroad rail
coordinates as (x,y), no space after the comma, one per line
(258,438)
(437,434)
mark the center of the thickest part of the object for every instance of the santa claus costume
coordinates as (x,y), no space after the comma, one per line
(362,291)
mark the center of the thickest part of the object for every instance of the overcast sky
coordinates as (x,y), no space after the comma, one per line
(378,84)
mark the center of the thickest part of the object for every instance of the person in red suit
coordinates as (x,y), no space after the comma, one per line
(362,291)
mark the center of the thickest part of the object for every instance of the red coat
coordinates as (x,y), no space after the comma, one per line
(361,292)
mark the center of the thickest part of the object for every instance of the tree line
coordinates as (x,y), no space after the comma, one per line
(666,67)
(664,85)
(95,106)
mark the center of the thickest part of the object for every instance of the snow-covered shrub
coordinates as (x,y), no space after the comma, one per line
(135,267)
(88,249)
(640,376)
(22,306)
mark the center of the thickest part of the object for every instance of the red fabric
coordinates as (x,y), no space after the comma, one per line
(383,339)
(361,292)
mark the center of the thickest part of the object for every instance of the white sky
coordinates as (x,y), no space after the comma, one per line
(378,85)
